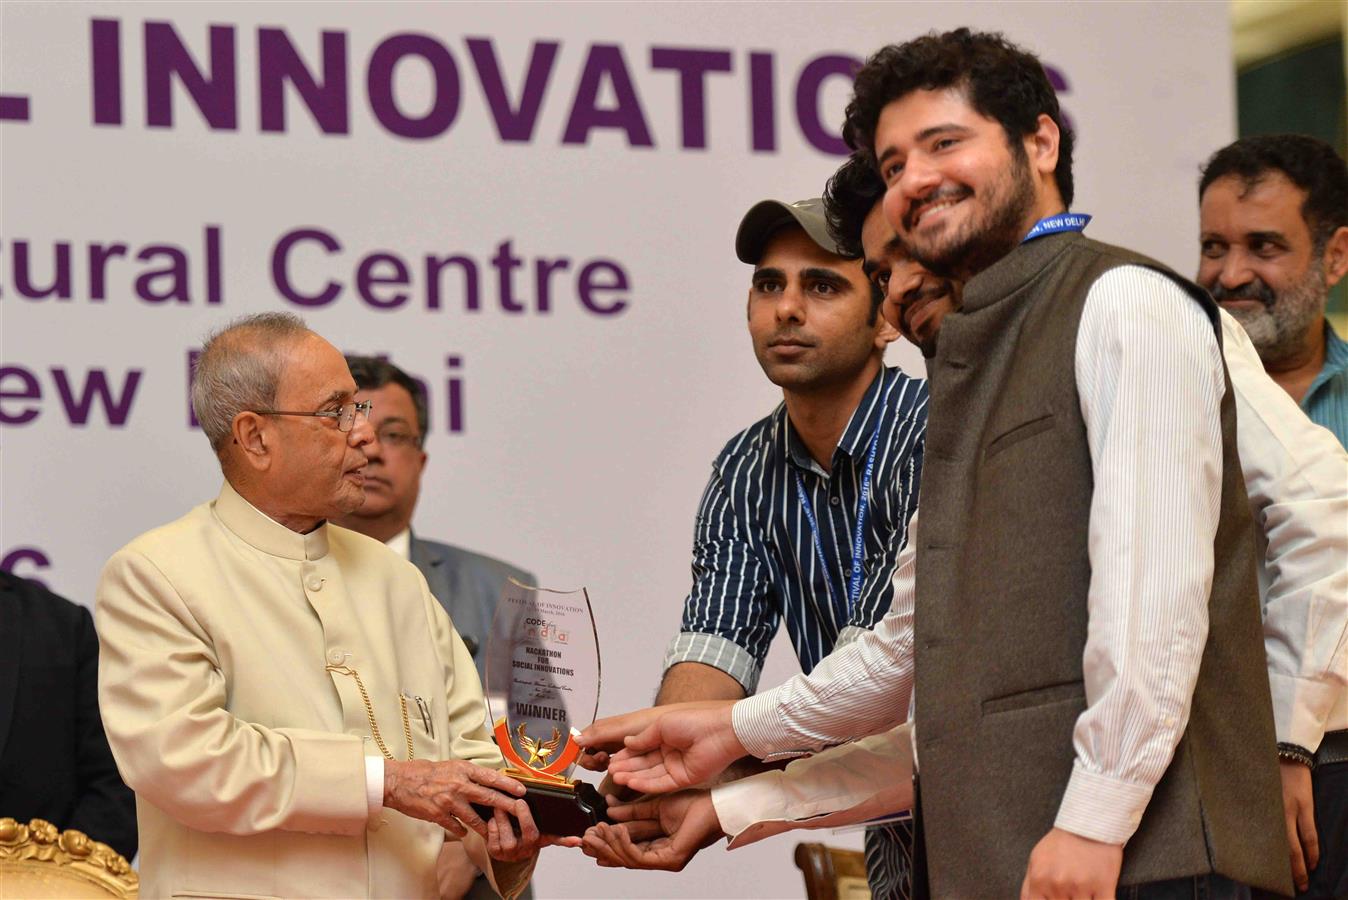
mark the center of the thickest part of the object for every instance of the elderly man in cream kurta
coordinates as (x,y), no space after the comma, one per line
(295,711)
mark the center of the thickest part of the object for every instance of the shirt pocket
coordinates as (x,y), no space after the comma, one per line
(1040,696)
(1017,434)
(427,724)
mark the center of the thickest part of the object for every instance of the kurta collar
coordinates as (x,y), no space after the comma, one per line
(265,533)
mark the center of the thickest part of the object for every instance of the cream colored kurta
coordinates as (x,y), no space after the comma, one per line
(246,754)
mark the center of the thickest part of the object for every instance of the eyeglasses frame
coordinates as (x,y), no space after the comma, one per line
(357,407)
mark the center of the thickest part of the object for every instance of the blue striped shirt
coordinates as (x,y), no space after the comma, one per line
(754,560)
(1326,400)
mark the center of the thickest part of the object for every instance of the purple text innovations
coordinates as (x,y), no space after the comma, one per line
(317,75)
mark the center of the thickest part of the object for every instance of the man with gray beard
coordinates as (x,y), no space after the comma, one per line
(1274,229)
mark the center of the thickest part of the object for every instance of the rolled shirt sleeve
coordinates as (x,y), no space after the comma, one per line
(728,617)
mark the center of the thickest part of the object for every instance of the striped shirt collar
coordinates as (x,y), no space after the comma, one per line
(855,437)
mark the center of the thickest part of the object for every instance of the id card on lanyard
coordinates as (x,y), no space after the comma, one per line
(858,538)
(1063,221)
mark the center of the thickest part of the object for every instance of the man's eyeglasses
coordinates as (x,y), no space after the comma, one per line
(346,416)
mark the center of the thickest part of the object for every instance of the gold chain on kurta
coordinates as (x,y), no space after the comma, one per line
(369,713)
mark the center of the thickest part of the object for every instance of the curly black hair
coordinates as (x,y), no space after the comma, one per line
(849,197)
(1308,162)
(1000,80)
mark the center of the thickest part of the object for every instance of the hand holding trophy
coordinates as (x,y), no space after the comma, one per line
(543,676)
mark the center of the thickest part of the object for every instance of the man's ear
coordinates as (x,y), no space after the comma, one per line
(1042,146)
(886,334)
(1335,258)
(250,435)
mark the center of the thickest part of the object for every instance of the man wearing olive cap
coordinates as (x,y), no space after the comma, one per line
(806,510)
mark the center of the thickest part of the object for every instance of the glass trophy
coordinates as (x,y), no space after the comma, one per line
(542,688)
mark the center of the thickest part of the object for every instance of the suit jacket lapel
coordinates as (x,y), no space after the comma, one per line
(11,643)
(431,561)
(420,555)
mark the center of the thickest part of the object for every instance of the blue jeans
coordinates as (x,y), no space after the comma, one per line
(1200,887)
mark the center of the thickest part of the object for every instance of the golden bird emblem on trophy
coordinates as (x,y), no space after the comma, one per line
(539,751)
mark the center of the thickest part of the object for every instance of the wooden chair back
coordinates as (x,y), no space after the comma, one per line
(832,873)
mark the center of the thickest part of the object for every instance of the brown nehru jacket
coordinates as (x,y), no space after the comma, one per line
(1002,581)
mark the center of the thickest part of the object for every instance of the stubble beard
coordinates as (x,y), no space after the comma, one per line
(1279,330)
(983,242)
(818,374)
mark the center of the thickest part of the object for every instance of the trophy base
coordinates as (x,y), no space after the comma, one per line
(561,808)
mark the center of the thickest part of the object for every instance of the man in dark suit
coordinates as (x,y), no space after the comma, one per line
(467,584)
(54,758)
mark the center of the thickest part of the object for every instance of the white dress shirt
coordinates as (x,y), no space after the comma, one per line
(1296,473)
(401,543)
(844,785)
(1150,383)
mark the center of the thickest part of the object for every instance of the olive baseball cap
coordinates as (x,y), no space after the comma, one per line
(766,217)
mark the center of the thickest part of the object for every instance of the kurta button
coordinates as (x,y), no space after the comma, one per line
(315,583)
(335,657)
(834,500)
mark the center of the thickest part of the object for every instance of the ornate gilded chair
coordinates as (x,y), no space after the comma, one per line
(832,873)
(39,861)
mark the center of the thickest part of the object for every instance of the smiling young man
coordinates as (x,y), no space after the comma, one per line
(1112,565)
(1296,475)
(1082,602)
(807,509)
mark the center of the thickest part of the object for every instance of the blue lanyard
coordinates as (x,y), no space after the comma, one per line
(858,539)
(1064,221)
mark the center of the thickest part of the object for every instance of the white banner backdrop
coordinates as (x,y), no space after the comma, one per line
(529,206)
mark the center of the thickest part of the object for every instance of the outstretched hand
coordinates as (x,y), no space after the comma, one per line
(685,745)
(605,736)
(655,832)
